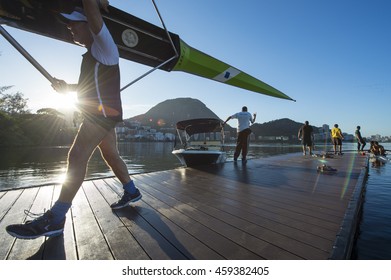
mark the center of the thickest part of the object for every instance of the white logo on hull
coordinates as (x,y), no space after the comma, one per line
(130,38)
(227,75)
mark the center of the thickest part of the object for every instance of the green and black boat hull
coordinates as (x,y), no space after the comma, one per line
(137,40)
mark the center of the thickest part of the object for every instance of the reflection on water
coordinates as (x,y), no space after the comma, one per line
(374,239)
(29,166)
(21,167)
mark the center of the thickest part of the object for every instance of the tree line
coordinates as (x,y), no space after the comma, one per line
(20,127)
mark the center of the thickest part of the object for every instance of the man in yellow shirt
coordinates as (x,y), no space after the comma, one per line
(336,138)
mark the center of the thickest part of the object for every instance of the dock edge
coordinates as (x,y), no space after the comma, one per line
(345,239)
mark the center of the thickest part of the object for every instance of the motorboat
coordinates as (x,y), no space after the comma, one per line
(201,142)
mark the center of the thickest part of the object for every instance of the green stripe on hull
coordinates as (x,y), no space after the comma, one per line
(198,63)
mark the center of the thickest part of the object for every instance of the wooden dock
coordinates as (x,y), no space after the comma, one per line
(271,208)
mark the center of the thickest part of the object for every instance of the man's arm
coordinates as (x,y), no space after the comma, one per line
(62,87)
(227,120)
(92,11)
(253,119)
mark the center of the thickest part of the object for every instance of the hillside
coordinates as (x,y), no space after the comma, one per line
(281,127)
(167,113)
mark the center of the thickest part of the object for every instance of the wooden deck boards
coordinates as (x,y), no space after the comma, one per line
(271,208)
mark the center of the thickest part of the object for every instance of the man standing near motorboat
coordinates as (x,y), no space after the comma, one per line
(243,139)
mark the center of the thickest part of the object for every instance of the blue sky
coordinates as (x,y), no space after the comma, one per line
(333,57)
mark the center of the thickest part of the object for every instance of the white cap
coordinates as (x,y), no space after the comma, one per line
(75,16)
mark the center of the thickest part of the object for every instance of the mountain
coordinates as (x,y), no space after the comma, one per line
(281,127)
(169,112)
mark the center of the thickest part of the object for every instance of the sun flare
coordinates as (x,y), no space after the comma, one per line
(66,101)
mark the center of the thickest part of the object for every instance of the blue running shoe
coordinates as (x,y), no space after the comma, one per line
(126,199)
(42,225)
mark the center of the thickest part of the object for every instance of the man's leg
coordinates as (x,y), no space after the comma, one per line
(86,140)
(245,144)
(238,148)
(51,223)
(109,151)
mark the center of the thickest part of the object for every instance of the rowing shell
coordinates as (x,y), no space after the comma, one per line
(378,158)
(137,40)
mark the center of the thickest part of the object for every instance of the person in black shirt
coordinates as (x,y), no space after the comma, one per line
(360,141)
(306,136)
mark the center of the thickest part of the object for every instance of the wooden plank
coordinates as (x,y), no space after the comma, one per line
(14,215)
(281,205)
(304,186)
(275,194)
(33,249)
(90,241)
(272,232)
(300,207)
(241,196)
(244,234)
(7,199)
(122,243)
(254,211)
(187,244)
(226,247)
(200,183)
(156,243)
(61,247)
(213,240)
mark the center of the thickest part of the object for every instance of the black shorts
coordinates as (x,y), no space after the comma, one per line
(337,141)
(306,142)
(106,123)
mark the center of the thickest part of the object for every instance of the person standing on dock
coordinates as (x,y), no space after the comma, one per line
(336,138)
(100,103)
(306,135)
(244,131)
(360,141)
